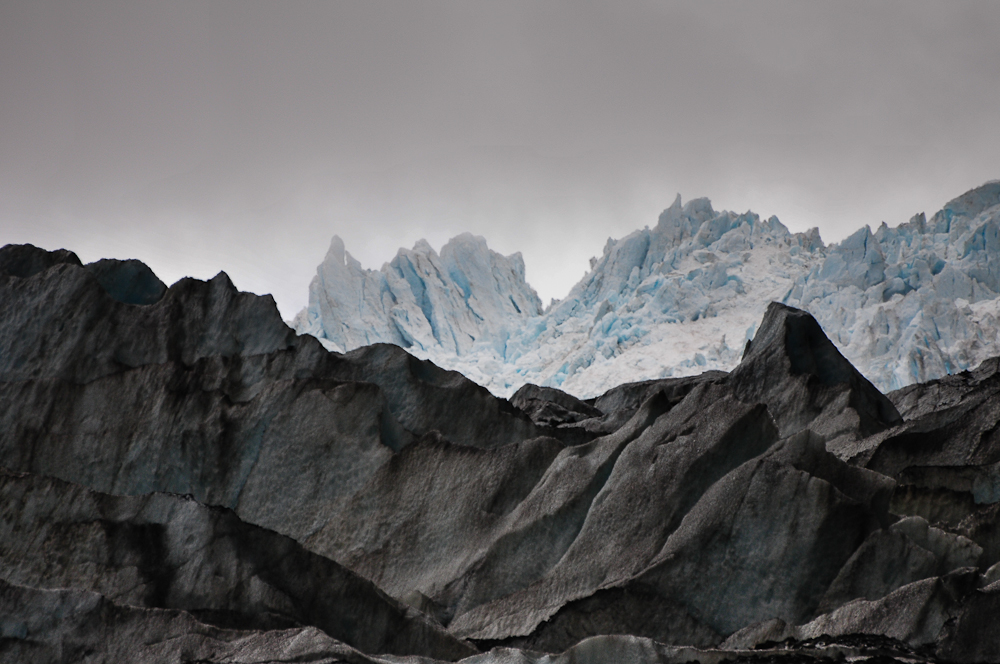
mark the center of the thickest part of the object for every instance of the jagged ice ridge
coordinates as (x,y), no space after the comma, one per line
(905,304)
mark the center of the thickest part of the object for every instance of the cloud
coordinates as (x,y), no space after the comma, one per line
(242,135)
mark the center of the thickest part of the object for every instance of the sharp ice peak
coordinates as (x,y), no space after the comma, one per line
(904,304)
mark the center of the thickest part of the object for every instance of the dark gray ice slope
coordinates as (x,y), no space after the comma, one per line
(785,500)
(166,551)
(207,392)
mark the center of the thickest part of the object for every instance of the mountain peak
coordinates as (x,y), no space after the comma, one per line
(793,367)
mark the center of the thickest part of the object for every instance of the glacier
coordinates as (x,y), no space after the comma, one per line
(421,301)
(905,304)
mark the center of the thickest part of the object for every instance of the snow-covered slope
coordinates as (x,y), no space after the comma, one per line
(904,304)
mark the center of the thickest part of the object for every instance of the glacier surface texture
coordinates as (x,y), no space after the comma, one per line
(905,304)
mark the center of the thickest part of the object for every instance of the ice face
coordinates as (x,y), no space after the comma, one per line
(420,300)
(904,304)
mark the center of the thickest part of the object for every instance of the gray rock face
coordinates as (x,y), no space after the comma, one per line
(27,260)
(946,456)
(717,566)
(130,282)
(604,513)
(56,626)
(793,368)
(61,324)
(909,550)
(942,618)
(550,407)
(64,625)
(786,501)
(207,392)
(165,551)
(656,480)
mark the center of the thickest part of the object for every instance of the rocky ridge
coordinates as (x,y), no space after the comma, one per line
(369,506)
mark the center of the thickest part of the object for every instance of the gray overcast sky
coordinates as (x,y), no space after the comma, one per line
(241,135)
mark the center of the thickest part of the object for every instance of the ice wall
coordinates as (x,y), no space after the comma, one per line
(904,304)
(420,300)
